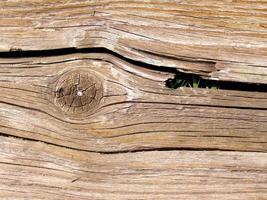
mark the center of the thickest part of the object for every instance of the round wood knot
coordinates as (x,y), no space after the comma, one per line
(78,92)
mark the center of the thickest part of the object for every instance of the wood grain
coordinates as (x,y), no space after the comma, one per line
(221,40)
(34,170)
(85,113)
(128,107)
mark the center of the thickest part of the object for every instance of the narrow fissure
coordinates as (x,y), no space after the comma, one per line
(124,151)
(180,79)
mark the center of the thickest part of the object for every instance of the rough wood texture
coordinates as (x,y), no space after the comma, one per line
(123,107)
(30,170)
(100,125)
(224,40)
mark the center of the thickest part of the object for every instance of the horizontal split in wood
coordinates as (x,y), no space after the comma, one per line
(226,85)
(218,40)
(85,114)
(135,110)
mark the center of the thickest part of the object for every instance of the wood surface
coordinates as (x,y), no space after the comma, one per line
(130,137)
(221,40)
(81,122)
(34,170)
(131,110)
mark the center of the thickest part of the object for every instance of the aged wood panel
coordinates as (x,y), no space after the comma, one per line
(97,102)
(99,124)
(34,170)
(225,40)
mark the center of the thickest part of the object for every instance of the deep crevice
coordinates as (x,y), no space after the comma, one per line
(180,79)
(67,51)
(194,81)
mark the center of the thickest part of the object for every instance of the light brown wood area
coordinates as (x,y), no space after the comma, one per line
(85,112)
(224,40)
(129,108)
(123,110)
(35,170)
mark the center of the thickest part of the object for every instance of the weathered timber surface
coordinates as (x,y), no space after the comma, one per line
(96,124)
(34,170)
(123,107)
(225,40)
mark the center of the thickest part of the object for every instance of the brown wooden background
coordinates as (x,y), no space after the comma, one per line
(85,113)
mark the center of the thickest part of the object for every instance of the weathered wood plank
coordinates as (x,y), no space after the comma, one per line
(34,170)
(97,102)
(225,40)
(102,128)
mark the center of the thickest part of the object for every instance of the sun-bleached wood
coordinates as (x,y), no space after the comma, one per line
(98,124)
(222,40)
(130,108)
(34,170)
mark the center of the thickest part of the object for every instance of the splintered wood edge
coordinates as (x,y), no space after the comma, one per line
(217,40)
(129,109)
(35,170)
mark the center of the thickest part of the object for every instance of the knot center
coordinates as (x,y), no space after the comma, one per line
(78,91)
